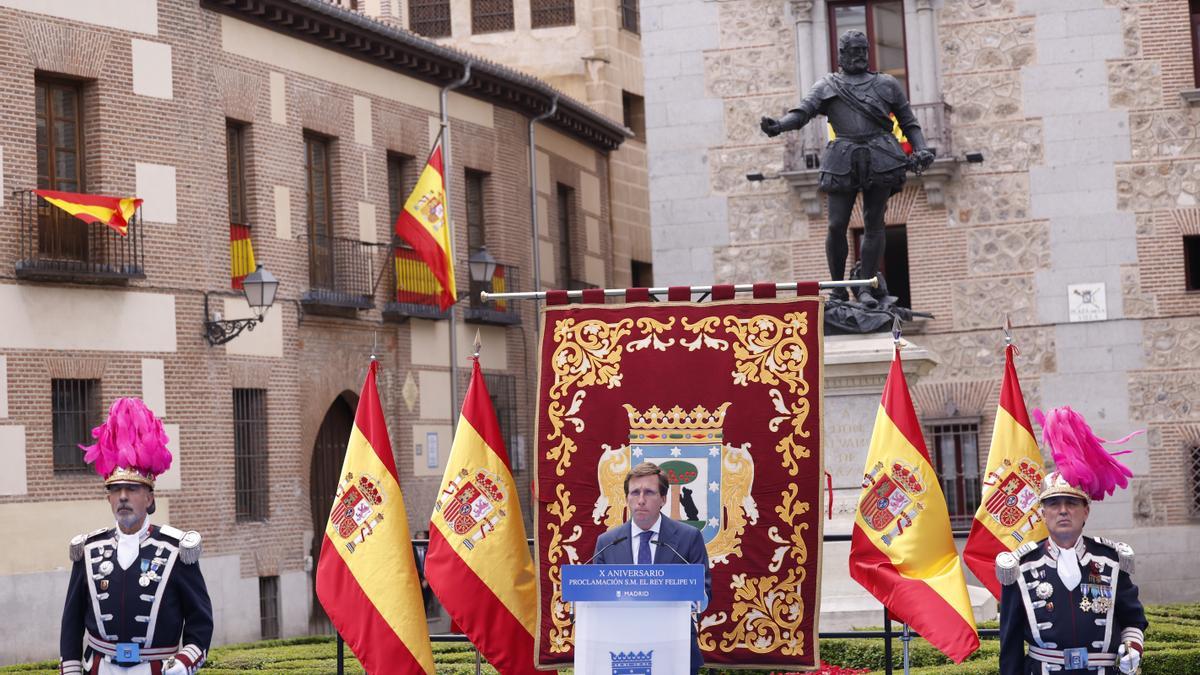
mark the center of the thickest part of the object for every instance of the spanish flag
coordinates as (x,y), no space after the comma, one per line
(367,577)
(902,550)
(114,212)
(478,563)
(241,254)
(896,131)
(425,224)
(415,282)
(1008,514)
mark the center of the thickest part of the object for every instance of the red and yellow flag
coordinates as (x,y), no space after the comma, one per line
(114,212)
(241,254)
(425,224)
(902,549)
(367,577)
(1008,513)
(896,131)
(478,563)
(415,282)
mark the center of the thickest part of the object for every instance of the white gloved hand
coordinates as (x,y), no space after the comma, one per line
(1130,659)
(177,669)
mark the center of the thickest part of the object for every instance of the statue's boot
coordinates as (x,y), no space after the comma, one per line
(839,293)
(867,299)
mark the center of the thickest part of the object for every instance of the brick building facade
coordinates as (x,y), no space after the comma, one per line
(1081,222)
(334,114)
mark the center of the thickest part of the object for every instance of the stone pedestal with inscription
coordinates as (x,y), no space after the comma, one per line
(856,368)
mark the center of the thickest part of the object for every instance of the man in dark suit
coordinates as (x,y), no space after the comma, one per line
(649,537)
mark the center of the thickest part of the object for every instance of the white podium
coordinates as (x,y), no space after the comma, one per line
(633,619)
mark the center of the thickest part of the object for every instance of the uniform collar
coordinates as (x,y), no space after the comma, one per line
(1052,548)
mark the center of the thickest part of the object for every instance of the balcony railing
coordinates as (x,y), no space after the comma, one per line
(415,291)
(502,312)
(340,273)
(54,245)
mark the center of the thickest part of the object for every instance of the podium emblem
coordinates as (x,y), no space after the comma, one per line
(633,663)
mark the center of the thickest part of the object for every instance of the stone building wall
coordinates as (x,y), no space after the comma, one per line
(155,127)
(1090,175)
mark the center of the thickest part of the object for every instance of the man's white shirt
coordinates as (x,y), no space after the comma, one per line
(636,541)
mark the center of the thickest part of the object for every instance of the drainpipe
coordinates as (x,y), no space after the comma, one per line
(446,174)
(537,250)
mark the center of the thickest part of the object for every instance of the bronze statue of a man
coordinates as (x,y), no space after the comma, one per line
(864,156)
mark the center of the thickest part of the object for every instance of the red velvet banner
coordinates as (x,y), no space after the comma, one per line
(726,397)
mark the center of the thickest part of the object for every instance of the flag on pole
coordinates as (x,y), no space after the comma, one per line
(478,563)
(902,550)
(241,254)
(114,212)
(367,577)
(424,223)
(1008,513)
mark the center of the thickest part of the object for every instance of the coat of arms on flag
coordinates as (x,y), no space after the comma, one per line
(1015,495)
(473,505)
(354,509)
(891,497)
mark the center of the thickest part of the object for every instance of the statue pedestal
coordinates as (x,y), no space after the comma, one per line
(856,367)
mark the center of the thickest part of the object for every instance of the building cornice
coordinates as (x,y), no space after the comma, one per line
(350,33)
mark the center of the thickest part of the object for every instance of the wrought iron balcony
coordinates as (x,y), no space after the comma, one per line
(415,291)
(56,246)
(340,274)
(803,149)
(498,312)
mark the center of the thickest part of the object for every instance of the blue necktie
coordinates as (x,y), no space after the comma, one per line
(644,547)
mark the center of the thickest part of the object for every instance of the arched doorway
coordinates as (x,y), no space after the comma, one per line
(329,450)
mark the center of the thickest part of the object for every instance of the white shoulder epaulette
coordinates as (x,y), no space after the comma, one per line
(77,542)
(189,547)
(1124,553)
(173,532)
(1008,568)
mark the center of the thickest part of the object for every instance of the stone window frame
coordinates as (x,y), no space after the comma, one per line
(633,114)
(631,16)
(966,486)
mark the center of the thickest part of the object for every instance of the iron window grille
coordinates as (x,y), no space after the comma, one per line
(491,16)
(1194,483)
(250,451)
(955,448)
(268,607)
(547,13)
(74,412)
(430,18)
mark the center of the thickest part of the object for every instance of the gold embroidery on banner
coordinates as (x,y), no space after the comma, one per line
(770,350)
(737,477)
(766,610)
(562,634)
(703,329)
(652,328)
(610,476)
(588,354)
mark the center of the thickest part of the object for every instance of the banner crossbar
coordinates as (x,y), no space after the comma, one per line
(485,296)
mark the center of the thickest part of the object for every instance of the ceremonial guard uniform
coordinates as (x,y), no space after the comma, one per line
(1070,597)
(136,601)
(1064,627)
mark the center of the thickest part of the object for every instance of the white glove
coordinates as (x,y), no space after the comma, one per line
(1130,659)
(177,669)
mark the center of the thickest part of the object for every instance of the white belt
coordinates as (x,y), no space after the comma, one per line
(110,649)
(1055,657)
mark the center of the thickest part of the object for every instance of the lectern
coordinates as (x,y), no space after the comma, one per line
(633,619)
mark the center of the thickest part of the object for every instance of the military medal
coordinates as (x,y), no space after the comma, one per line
(1044,590)
(1085,604)
(144,581)
(1049,606)
(103,585)
(106,568)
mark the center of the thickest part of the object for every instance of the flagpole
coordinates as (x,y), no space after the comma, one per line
(447,172)
(663,290)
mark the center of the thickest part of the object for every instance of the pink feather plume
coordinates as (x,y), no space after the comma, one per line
(1079,454)
(132,437)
